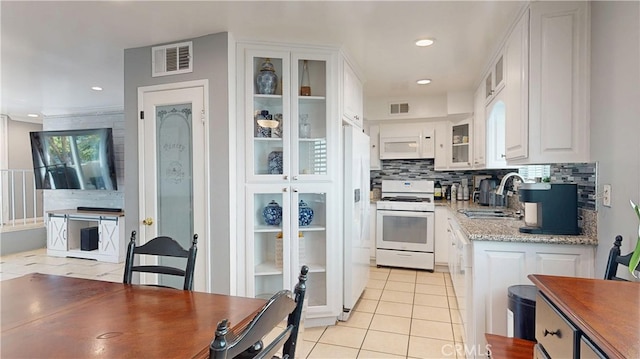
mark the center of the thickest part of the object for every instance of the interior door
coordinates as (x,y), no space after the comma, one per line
(173,188)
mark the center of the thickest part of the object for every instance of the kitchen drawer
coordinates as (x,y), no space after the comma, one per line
(588,350)
(556,335)
(418,260)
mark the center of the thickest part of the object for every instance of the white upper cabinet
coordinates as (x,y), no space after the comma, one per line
(352,106)
(517,90)
(460,155)
(289,135)
(494,81)
(479,129)
(374,156)
(558,128)
(453,148)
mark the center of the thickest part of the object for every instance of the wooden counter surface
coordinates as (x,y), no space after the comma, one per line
(607,311)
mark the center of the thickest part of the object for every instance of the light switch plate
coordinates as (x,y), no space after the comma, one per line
(606,195)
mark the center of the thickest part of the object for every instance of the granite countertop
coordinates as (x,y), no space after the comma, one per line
(506,230)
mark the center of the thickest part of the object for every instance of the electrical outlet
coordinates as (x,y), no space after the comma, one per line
(606,195)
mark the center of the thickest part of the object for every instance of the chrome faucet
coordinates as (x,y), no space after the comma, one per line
(500,188)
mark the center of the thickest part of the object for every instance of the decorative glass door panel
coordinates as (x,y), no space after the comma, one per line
(175,180)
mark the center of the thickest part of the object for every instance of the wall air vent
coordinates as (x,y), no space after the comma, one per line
(398,108)
(172,59)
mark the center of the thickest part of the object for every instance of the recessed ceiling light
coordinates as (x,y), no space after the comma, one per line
(423,82)
(424,42)
(96,88)
(34,115)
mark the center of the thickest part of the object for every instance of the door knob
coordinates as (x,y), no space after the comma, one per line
(147,221)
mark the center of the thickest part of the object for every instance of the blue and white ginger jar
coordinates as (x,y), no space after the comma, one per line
(305,214)
(267,80)
(272,213)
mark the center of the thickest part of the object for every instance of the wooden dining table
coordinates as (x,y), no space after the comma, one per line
(50,316)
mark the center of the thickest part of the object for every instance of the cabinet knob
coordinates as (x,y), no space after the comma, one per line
(503,156)
(147,221)
(285,177)
(295,190)
(284,189)
(295,178)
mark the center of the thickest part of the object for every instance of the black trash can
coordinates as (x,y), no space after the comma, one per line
(522,306)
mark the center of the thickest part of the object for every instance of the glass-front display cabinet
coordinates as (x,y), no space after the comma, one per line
(287,119)
(290,227)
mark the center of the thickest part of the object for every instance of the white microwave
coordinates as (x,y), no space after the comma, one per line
(420,144)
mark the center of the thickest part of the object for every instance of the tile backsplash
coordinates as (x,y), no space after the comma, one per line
(582,174)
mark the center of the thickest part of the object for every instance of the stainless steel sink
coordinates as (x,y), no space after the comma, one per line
(488,213)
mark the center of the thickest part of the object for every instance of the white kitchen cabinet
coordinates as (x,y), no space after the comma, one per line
(504,264)
(453,145)
(298,162)
(374,155)
(460,142)
(482,272)
(495,79)
(558,108)
(407,140)
(479,129)
(276,250)
(64,230)
(373,207)
(441,160)
(496,131)
(301,147)
(442,240)
(516,92)
(352,101)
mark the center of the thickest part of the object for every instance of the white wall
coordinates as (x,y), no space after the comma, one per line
(211,61)
(615,119)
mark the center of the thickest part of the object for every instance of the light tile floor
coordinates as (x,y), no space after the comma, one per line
(402,313)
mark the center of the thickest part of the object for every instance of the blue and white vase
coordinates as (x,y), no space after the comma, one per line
(275,162)
(272,214)
(267,80)
(305,214)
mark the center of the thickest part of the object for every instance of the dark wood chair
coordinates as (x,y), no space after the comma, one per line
(162,247)
(616,259)
(248,343)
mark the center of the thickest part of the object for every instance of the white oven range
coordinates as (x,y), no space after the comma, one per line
(405,225)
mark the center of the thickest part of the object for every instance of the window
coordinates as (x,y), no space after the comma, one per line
(534,171)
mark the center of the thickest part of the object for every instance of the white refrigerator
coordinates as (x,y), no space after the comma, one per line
(356,243)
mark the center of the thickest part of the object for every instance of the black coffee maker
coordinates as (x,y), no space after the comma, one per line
(550,208)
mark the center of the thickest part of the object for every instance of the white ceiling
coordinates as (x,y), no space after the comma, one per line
(53,52)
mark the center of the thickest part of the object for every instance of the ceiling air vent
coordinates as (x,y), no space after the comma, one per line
(172,59)
(398,108)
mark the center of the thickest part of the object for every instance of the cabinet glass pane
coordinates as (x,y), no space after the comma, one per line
(268,116)
(312,117)
(460,145)
(310,246)
(269,257)
(499,70)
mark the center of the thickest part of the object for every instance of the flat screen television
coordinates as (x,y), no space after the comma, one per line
(74,159)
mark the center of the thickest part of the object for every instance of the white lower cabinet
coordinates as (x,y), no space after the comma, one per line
(282,235)
(482,272)
(64,235)
(442,242)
